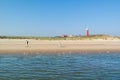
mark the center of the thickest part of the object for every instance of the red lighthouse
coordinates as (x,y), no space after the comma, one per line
(87,32)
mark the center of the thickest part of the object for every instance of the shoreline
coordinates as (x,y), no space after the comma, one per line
(61,51)
(58,46)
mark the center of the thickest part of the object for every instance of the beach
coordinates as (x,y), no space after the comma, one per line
(19,45)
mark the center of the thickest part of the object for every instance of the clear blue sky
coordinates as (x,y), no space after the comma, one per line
(56,17)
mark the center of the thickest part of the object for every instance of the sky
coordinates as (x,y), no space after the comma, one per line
(56,17)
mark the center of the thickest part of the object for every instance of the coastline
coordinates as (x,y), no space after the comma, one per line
(55,46)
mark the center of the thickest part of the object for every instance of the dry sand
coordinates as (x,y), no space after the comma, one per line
(19,45)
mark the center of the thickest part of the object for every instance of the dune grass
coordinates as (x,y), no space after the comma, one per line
(97,36)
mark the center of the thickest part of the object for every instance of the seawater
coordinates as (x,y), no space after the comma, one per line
(60,66)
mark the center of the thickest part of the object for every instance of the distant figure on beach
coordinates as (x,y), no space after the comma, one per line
(60,44)
(27,42)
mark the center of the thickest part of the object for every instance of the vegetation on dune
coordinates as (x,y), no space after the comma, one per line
(90,37)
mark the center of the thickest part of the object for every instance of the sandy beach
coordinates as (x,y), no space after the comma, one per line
(19,45)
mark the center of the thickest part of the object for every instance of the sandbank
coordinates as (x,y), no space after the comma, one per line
(20,46)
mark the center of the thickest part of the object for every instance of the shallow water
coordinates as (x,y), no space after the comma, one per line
(60,66)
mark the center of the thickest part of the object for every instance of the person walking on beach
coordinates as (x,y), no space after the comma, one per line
(60,44)
(27,42)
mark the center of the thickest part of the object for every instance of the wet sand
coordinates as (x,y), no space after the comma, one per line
(19,45)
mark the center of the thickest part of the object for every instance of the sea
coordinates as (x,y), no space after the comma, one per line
(60,66)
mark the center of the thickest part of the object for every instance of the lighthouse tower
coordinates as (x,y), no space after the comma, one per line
(87,32)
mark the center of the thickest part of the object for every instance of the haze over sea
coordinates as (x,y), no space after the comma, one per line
(60,66)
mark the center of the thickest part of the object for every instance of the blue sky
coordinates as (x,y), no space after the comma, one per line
(56,17)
